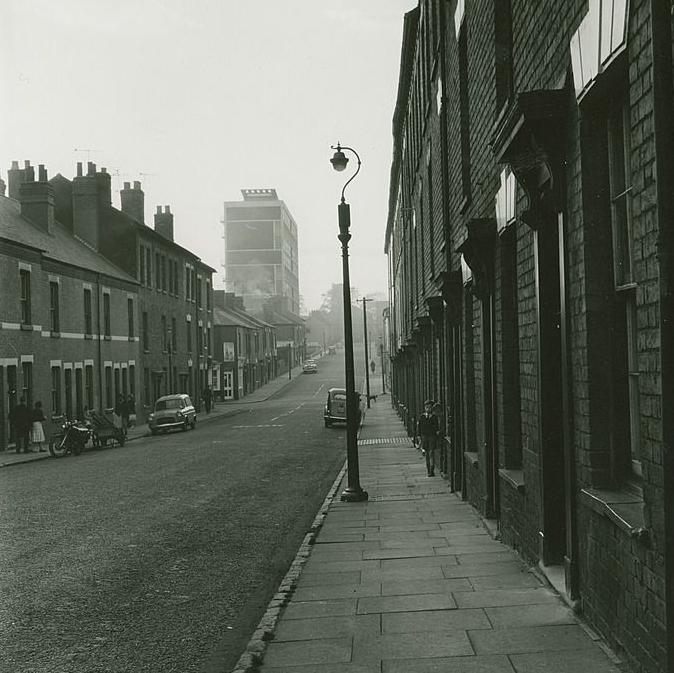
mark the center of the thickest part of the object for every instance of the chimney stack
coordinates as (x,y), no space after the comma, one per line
(163,222)
(3,187)
(133,201)
(86,212)
(104,192)
(15,176)
(37,198)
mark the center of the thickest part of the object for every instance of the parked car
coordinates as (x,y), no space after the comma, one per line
(172,411)
(310,367)
(331,350)
(335,407)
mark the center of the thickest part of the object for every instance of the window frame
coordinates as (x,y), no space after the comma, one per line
(25,297)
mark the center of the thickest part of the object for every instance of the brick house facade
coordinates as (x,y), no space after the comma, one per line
(529,287)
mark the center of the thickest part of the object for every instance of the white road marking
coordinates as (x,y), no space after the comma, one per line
(287,413)
(262,425)
(319,390)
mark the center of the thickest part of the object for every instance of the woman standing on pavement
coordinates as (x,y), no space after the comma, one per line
(37,430)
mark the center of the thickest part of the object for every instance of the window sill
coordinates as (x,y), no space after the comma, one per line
(89,336)
(107,337)
(27,327)
(54,335)
(131,338)
(472,457)
(514,479)
(624,507)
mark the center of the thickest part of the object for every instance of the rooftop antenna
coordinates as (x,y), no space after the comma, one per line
(87,150)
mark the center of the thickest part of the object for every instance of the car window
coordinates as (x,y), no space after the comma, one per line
(167,404)
(340,396)
(188,402)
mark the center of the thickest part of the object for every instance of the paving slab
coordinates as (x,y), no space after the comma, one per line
(319,565)
(330,591)
(534,615)
(415,645)
(333,627)
(435,620)
(594,660)
(531,639)
(314,609)
(503,597)
(424,586)
(302,652)
(322,579)
(477,664)
(326,668)
(511,581)
(453,569)
(407,603)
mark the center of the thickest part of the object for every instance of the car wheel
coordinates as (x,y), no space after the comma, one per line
(185,424)
(153,431)
(327,423)
(193,424)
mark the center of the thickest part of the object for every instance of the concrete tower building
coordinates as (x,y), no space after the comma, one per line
(261,250)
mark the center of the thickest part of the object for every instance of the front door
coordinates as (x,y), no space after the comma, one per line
(228,385)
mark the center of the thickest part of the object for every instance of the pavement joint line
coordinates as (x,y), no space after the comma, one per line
(253,655)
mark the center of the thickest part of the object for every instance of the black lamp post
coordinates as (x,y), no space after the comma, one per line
(169,348)
(381,357)
(353,491)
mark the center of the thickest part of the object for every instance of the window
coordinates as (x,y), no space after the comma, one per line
(69,392)
(56,391)
(146,333)
(174,335)
(24,276)
(170,276)
(87,311)
(129,308)
(157,270)
(106,314)
(199,292)
(163,273)
(464,109)
(148,267)
(108,388)
(132,379)
(625,368)
(189,336)
(208,339)
(27,380)
(54,306)
(146,385)
(141,270)
(125,382)
(118,389)
(504,52)
(208,296)
(89,386)
(164,342)
(176,279)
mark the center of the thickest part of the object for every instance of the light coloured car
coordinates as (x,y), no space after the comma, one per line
(172,411)
(310,367)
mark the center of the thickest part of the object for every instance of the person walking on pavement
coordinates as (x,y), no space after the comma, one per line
(37,430)
(208,398)
(428,430)
(21,419)
(131,410)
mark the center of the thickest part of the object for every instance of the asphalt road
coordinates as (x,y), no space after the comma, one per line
(161,556)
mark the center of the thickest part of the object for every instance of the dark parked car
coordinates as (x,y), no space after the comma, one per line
(172,411)
(335,407)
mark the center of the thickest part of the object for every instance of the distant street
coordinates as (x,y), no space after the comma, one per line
(162,555)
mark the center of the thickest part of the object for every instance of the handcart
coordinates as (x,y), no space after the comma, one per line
(104,432)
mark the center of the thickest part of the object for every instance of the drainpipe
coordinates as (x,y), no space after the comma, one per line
(663,103)
(100,350)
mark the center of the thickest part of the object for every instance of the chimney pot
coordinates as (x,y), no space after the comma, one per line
(42,173)
(26,163)
(127,185)
(79,169)
(15,165)
(167,209)
(91,168)
(158,210)
(104,169)
(136,184)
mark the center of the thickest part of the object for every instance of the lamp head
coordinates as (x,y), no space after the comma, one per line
(339,159)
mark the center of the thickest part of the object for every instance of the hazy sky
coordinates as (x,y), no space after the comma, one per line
(200,99)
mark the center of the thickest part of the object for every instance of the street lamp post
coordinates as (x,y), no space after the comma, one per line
(353,491)
(290,354)
(169,348)
(381,357)
(367,357)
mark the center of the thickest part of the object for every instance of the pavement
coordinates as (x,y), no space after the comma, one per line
(220,409)
(412,581)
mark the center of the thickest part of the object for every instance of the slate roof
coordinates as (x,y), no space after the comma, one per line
(60,245)
(235,317)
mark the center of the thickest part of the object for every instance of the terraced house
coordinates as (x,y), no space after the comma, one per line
(530,247)
(68,316)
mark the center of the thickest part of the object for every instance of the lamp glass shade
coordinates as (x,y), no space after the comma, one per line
(339,160)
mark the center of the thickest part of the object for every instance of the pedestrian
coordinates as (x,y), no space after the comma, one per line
(37,431)
(373,366)
(131,408)
(21,419)
(117,413)
(428,430)
(125,413)
(208,398)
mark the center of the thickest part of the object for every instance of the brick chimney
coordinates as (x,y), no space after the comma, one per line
(37,199)
(86,211)
(15,176)
(163,222)
(3,187)
(133,201)
(104,192)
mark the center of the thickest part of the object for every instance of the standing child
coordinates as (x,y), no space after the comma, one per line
(37,430)
(428,429)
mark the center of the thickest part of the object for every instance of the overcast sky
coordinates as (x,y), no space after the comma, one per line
(198,99)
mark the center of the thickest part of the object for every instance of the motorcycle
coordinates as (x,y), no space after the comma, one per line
(72,438)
